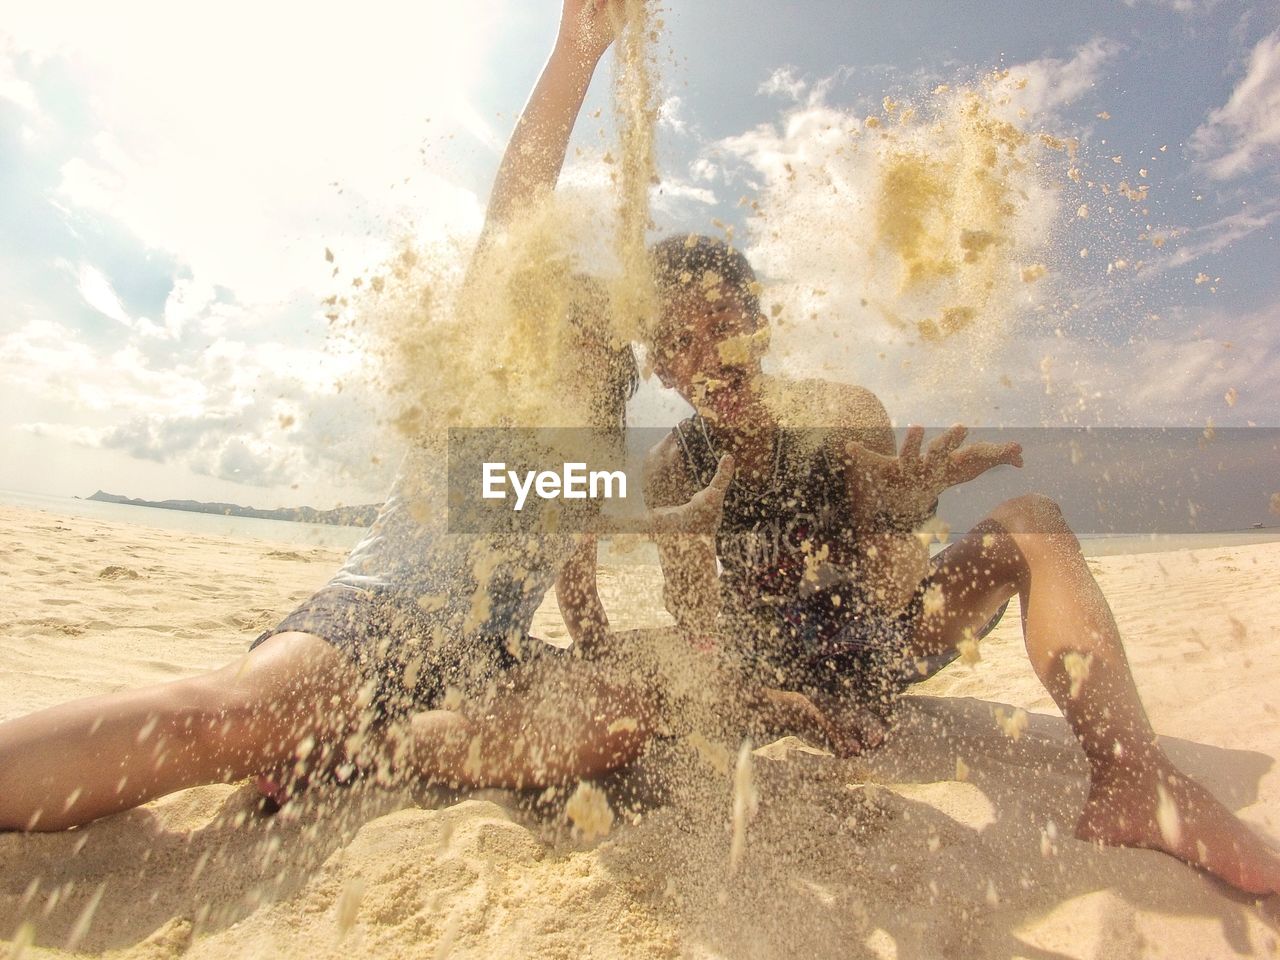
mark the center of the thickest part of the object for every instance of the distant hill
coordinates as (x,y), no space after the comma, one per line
(361,515)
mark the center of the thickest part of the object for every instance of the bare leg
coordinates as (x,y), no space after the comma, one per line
(1136,797)
(293,697)
(563,721)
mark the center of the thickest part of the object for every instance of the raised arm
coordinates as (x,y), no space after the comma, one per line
(536,151)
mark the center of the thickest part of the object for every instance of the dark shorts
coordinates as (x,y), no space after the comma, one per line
(402,651)
(870,657)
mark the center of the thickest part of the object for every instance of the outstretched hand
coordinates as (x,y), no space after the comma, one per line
(901,490)
(703,511)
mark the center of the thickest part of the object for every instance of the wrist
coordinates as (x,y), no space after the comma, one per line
(657,521)
(581,54)
(903,518)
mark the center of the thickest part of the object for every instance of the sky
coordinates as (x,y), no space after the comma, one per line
(171,180)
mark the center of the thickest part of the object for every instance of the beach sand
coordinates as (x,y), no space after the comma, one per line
(952,841)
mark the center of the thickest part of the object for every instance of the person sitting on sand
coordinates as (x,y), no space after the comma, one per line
(828,597)
(416,620)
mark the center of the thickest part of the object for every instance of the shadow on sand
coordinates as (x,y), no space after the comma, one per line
(843,858)
(891,854)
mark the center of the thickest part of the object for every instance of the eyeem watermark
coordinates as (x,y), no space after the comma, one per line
(532,480)
(573,482)
(1108,481)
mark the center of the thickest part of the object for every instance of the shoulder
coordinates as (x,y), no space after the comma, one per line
(842,408)
(665,473)
(857,407)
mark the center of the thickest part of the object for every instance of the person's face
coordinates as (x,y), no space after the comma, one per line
(715,343)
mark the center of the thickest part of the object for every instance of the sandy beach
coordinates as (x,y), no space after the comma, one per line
(954,840)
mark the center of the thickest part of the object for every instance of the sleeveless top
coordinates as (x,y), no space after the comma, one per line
(785,547)
(468,585)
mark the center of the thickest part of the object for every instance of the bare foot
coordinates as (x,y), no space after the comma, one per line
(1162,809)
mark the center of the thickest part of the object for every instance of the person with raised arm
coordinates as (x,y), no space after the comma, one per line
(358,678)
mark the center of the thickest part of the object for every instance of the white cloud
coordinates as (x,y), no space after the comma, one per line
(219,144)
(1220,235)
(262,415)
(1045,85)
(704,169)
(1169,375)
(1180,6)
(670,115)
(79,435)
(14,89)
(677,190)
(96,289)
(1244,133)
(784,82)
(50,361)
(99,294)
(808,132)
(189,299)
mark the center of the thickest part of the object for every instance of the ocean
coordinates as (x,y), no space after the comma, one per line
(343,538)
(212,524)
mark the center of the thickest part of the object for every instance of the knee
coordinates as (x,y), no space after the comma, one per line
(1032,513)
(629,720)
(623,728)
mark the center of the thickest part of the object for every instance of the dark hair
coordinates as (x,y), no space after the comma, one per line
(589,314)
(682,264)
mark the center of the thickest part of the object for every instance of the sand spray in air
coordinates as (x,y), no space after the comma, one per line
(635,109)
(924,247)
(928,224)
(935,223)
(491,343)
(488,344)
(745,804)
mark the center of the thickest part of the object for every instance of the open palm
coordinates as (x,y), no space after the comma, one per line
(902,490)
